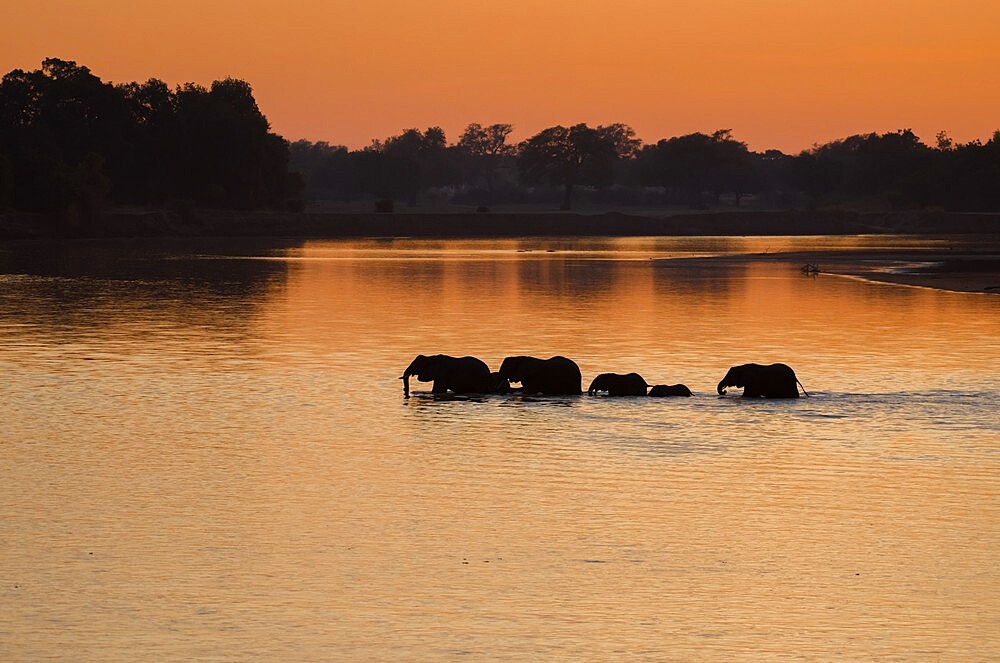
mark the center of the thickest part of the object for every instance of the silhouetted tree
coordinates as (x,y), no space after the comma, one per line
(697,163)
(394,168)
(156,144)
(69,136)
(90,188)
(774,176)
(970,176)
(72,143)
(868,166)
(575,156)
(6,182)
(486,151)
(403,165)
(327,170)
(228,155)
(49,120)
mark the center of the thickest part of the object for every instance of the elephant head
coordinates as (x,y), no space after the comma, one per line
(734,378)
(515,369)
(425,368)
(599,384)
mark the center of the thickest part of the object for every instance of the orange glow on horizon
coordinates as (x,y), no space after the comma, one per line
(780,73)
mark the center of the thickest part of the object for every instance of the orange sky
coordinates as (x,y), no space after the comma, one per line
(780,73)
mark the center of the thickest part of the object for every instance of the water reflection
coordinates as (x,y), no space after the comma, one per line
(111,297)
(246,480)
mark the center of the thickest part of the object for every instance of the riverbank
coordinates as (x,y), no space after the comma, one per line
(967,273)
(951,269)
(222,223)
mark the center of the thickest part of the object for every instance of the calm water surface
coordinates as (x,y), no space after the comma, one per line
(207,455)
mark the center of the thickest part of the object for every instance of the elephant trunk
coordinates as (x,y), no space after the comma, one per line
(722,388)
(418,364)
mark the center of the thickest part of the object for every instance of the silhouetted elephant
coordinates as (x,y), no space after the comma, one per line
(498,385)
(630,384)
(773,381)
(556,376)
(669,390)
(462,375)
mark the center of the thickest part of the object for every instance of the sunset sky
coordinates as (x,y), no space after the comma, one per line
(780,73)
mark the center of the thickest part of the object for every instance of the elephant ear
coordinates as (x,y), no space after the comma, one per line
(430,368)
(513,368)
(414,366)
(424,367)
(738,377)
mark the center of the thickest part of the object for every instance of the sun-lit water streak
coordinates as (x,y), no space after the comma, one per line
(207,454)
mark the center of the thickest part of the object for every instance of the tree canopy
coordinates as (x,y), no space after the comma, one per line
(72,143)
(486,151)
(578,155)
(72,139)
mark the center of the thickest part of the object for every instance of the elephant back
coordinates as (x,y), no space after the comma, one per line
(553,376)
(661,390)
(470,375)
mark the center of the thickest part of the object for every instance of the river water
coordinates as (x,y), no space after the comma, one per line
(206,454)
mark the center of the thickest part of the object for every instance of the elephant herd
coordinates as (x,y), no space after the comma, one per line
(559,376)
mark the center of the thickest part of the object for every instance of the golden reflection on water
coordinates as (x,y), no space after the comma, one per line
(207,455)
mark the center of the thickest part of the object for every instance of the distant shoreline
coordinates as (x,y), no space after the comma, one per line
(223,223)
(970,271)
(963,270)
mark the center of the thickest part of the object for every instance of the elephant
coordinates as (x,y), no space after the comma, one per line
(461,375)
(773,381)
(669,390)
(631,384)
(498,385)
(555,376)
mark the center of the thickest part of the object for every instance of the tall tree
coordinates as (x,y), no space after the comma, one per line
(404,165)
(486,151)
(51,120)
(72,139)
(698,163)
(229,156)
(868,166)
(574,156)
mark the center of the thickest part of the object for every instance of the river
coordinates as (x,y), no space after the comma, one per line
(207,455)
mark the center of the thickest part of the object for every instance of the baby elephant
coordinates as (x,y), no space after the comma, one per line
(669,390)
(618,385)
(498,385)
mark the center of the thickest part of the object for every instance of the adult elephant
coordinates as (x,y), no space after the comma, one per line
(555,376)
(757,381)
(669,390)
(461,375)
(630,384)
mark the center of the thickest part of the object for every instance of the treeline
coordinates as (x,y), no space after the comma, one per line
(71,143)
(607,165)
